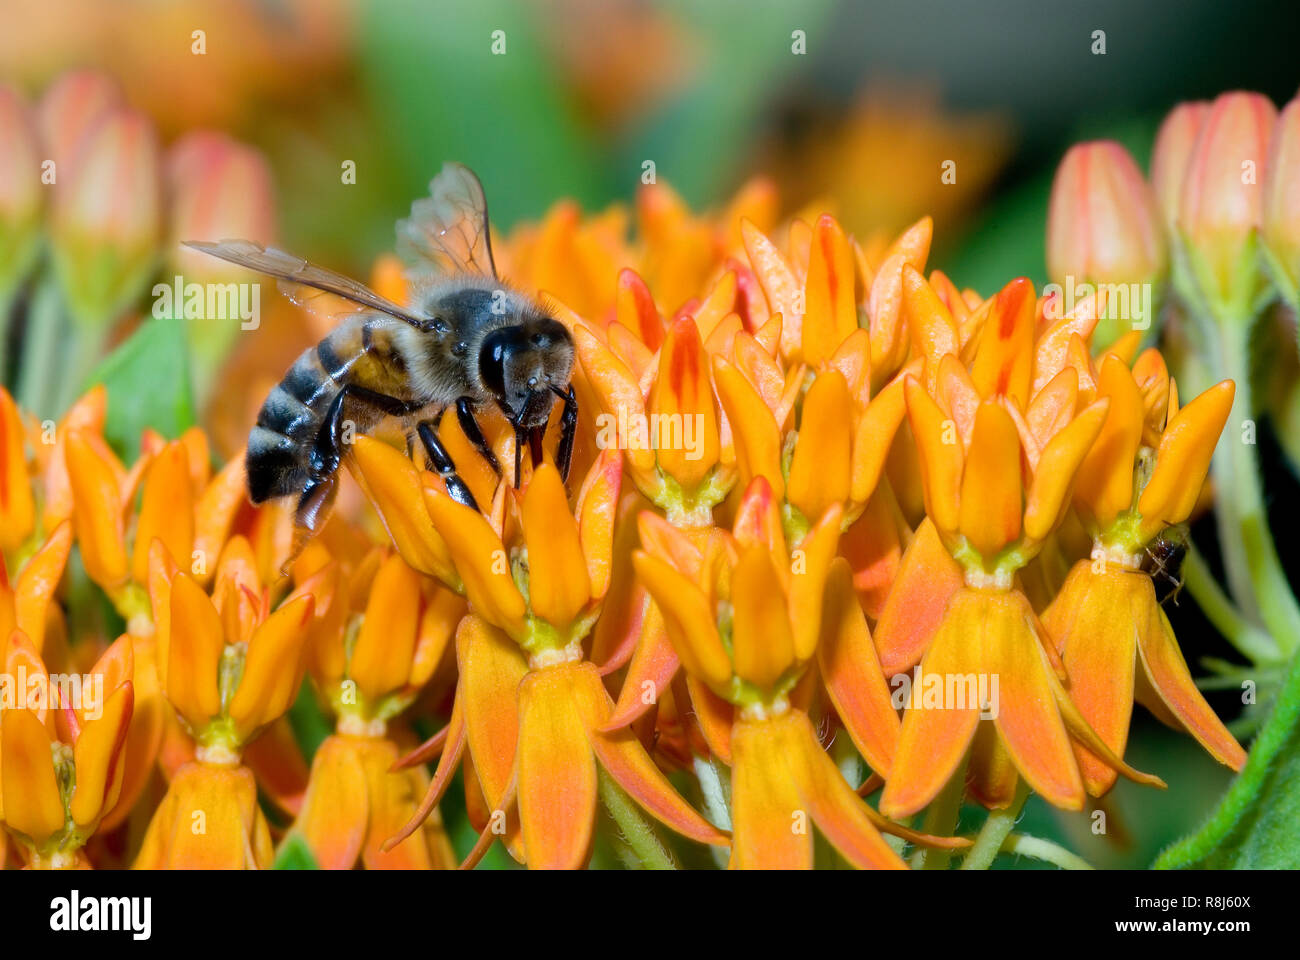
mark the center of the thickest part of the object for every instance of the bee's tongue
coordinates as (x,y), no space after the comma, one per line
(536,409)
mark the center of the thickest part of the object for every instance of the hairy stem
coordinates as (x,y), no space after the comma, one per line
(637,834)
(995,831)
(1040,849)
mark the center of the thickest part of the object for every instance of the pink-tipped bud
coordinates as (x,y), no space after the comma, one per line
(107,219)
(1103,228)
(71,107)
(21,193)
(1221,201)
(217,189)
(1172,151)
(1281,212)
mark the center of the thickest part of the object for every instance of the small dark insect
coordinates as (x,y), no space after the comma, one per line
(467,340)
(1164,561)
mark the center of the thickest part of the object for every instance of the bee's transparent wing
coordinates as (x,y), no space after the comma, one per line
(448,230)
(296,272)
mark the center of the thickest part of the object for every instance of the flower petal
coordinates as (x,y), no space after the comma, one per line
(32,804)
(481,561)
(1049,491)
(851,672)
(1183,458)
(1025,713)
(273,667)
(195,641)
(840,814)
(393,486)
(688,619)
(940,452)
(385,644)
(558,584)
(821,468)
(1094,620)
(770,824)
(933,742)
(557,772)
(623,757)
(927,578)
(762,643)
(336,809)
(1167,671)
(990,488)
(98,755)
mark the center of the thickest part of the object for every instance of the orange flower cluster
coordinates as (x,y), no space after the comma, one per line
(802,471)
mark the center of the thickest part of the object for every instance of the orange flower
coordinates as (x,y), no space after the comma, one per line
(61,750)
(528,706)
(230,668)
(1106,621)
(998,465)
(354,802)
(749,634)
(670,431)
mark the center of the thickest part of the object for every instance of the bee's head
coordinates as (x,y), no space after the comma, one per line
(521,363)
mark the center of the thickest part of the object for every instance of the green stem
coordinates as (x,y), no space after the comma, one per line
(1040,849)
(47,330)
(637,834)
(1252,642)
(995,831)
(941,820)
(1254,570)
(716,791)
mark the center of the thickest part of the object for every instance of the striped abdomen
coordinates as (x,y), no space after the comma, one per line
(359,351)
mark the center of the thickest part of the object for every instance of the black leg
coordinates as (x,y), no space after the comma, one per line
(441,463)
(568,430)
(469,426)
(327,451)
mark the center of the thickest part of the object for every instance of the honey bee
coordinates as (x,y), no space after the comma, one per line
(1164,562)
(467,341)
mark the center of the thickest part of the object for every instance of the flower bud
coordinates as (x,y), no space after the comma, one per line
(71,107)
(216,188)
(20,191)
(1221,202)
(106,221)
(1102,226)
(1280,224)
(1172,150)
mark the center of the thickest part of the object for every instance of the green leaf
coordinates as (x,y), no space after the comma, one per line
(1255,825)
(294,854)
(148,385)
(309,722)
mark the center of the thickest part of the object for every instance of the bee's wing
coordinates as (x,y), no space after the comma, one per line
(448,230)
(295,271)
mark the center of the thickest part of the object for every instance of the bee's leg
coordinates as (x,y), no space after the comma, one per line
(469,426)
(568,430)
(440,460)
